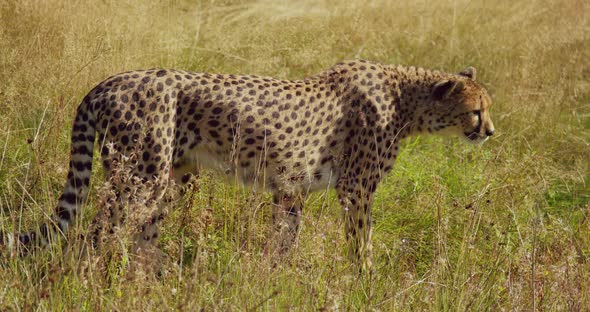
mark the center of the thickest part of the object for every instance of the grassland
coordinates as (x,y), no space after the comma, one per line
(504,226)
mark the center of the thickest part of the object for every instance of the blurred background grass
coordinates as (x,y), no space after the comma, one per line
(499,227)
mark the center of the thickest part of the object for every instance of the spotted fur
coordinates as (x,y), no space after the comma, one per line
(338,129)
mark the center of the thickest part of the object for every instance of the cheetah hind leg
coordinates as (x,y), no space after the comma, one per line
(132,215)
(145,242)
(181,181)
(287,211)
(143,252)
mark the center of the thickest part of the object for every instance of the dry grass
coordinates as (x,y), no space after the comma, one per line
(501,227)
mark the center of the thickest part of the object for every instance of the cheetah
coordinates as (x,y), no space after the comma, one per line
(338,129)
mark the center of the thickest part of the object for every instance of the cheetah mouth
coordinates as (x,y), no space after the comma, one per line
(475,137)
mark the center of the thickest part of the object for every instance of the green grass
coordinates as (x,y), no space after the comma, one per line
(504,226)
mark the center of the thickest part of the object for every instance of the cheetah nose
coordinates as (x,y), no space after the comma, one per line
(490,132)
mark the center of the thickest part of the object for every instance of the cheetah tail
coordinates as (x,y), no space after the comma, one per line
(75,190)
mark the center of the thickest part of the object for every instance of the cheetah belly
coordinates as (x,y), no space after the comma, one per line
(326,181)
(308,179)
(208,156)
(311,179)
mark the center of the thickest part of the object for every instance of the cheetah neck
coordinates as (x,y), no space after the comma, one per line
(414,85)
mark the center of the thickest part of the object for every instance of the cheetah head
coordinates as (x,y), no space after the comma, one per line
(461,108)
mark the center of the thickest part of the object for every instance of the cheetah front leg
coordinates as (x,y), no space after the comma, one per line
(286,217)
(356,201)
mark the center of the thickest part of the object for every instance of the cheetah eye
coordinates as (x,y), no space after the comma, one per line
(476,112)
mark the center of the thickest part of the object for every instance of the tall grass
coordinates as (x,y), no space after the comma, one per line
(499,227)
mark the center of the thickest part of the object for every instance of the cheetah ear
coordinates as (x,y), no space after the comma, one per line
(468,72)
(445,88)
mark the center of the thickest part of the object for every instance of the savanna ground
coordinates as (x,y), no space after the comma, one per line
(503,226)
